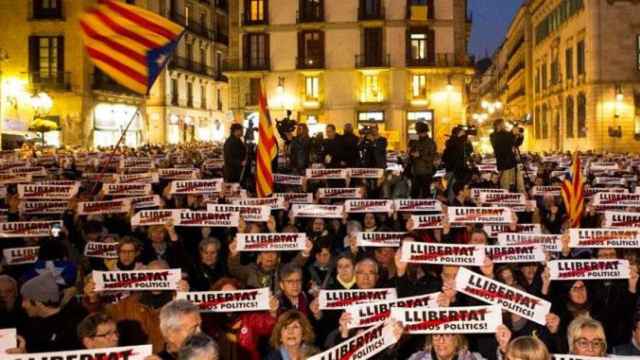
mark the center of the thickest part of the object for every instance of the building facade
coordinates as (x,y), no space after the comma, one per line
(44,53)
(581,74)
(384,62)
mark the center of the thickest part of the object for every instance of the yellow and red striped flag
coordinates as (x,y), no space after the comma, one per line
(573,192)
(267,149)
(130,44)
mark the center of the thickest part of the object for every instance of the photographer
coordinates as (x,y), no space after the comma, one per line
(422,154)
(235,154)
(505,144)
(455,157)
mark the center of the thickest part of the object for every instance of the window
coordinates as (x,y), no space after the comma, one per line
(256,51)
(47,9)
(419,46)
(311,10)
(568,63)
(370,9)
(582,115)
(419,116)
(174,91)
(372,44)
(580,50)
(203,96)
(537,80)
(254,91)
(312,87)
(537,120)
(203,56)
(48,57)
(638,51)
(310,49)
(189,94)
(558,16)
(555,72)
(420,10)
(569,118)
(371,88)
(219,97)
(545,122)
(46,60)
(371,117)
(219,61)
(189,51)
(544,76)
(419,86)
(203,19)
(256,11)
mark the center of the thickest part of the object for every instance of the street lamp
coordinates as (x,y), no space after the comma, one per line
(41,104)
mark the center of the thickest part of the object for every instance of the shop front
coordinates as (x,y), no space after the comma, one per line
(110,120)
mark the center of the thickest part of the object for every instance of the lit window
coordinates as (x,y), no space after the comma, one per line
(257,10)
(371,117)
(371,89)
(312,87)
(418,46)
(419,86)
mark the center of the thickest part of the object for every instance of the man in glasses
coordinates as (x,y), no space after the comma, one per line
(98,331)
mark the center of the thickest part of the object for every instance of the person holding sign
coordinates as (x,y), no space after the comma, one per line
(446,347)
(292,337)
(179,319)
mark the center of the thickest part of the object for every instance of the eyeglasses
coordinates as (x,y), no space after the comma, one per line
(107,334)
(593,344)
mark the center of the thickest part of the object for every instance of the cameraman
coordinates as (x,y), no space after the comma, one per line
(235,154)
(505,145)
(422,155)
(455,157)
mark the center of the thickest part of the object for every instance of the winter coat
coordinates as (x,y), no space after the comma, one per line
(423,164)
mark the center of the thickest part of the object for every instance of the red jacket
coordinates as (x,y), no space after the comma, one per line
(240,341)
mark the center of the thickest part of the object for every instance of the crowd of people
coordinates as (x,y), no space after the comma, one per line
(55,303)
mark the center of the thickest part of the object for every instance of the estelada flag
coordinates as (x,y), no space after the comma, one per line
(128,43)
(267,149)
(573,192)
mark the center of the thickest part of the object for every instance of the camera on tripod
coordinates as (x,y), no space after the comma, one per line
(285,126)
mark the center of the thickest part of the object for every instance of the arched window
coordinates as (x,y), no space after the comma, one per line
(582,115)
(569,117)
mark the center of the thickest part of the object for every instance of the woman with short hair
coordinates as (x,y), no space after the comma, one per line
(586,337)
(527,348)
(446,347)
(292,337)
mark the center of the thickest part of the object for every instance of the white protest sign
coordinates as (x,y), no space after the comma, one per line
(145,202)
(576,357)
(417,205)
(27,228)
(368,314)
(588,269)
(609,181)
(295,198)
(179,174)
(424,222)
(604,238)
(6,179)
(621,219)
(275,203)
(454,320)
(203,186)
(515,253)
(21,255)
(503,199)
(507,297)
(139,352)
(127,189)
(317,211)
(101,250)
(8,340)
(271,242)
(612,199)
(365,173)
(491,168)
(442,254)
(324,174)
(229,301)
(590,191)
(285,179)
(549,242)
(248,213)
(362,346)
(29,170)
(104,207)
(545,190)
(213,164)
(34,191)
(208,219)
(43,207)
(340,193)
(368,206)
(485,215)
(144,178)
(137,279)
(379,239)
(340,299)
(494,229)
(476,192)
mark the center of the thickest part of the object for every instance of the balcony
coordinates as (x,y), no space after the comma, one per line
(309,63)
(515,71)
(248,21)
(368,12)
(193,26)
(251,99)
(440,60)
(57,81)
(310,15)
(363,62)
(517,94)
(191,66)
(103,82)
(222,38)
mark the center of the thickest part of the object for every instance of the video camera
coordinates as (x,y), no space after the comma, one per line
(469,130)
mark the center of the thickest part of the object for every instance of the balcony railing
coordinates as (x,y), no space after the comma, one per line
(515,71)
(248,21)
(373,62)
(375,12)
(440,60)
(309,63)
(191,66)
(51,81)
(248,65)
(104,82)
(193,26)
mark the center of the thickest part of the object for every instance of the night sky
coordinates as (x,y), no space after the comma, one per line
(491,18)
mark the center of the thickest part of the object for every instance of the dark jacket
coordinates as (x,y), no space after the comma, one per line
(350,149)
(380,152)
(455,155)
(234,154)
(299,151)
(503,143)
(626,350)
(56,332)
(423,164)
(333,148)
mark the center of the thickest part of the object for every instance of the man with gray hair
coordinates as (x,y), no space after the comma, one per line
(199,347)
(179,319)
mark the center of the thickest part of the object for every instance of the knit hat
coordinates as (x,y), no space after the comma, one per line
(42,288)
